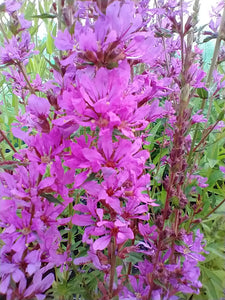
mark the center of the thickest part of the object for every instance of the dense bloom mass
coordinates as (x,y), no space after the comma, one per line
(93,170)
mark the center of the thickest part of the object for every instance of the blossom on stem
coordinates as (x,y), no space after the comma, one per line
(117,229)
(192,248)
(17,50)
(12,5)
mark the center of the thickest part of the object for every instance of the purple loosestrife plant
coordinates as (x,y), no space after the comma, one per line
(89,165)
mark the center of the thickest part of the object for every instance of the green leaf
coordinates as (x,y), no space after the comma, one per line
(161,154)
(221,275)
(199,297)
(41,10)
(15,104)
(159,283)
(2,7)
(49,43)
(211,37)
(216,281)
(214,177)
(44,16)
(50,198)
(29,10)
(134,257)
(42,67)
(8,167)
(180,243)
(34,28)
(202,93)
(91,177)
(221,116)
(212,154)
(213,249)
(153,132)
(216,191)
(211,290)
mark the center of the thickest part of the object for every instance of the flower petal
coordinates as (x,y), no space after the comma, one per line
(101,243)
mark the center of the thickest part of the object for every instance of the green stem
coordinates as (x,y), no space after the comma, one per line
(7,140)
(205,136)
(56,277)
(221,35)
(21,67)
(70,225)
(214,209)
(59,18)
(2,154)
(160,156)
(113,266)
(3,32)
(195,136)
(193,143)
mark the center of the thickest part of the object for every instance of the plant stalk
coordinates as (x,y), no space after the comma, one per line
(7,140)
(21,67)
(214,209)
(221,35)
(205,136)
(113,265)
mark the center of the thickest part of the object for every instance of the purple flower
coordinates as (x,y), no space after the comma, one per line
(215,16)
(115,155)
(8,270)
(18,82)
(39,285)
(95,88)
(198,118)
(12,5)
(222,169)
(117,229)
(191,275)
(17,50)
(38,106)
(200,180)
(184,278)
(196,76)
(148,232)
(44,148)
(114,36)
(64,40)
(220,125)
(110,190)
(99,261)
(192,248)
(139,289)
(88,213)
(25,24)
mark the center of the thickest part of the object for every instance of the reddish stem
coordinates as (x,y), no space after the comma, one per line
(214,209)
(7,140)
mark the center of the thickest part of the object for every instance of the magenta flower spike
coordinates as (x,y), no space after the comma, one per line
(103,194)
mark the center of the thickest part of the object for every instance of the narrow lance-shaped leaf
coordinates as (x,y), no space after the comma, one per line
(50,198)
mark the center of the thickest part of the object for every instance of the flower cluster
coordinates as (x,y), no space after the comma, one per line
(30,234)
(85,136)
